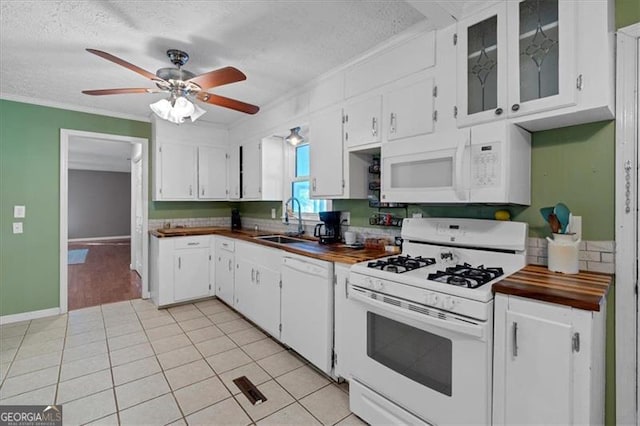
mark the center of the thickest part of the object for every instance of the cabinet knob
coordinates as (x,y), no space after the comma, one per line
(498,111)
(515,107)
(374,127)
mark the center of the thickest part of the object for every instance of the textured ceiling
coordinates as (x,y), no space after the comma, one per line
(279,45)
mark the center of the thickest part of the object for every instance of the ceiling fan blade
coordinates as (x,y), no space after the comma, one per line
(219,77)
(119,91)
(122,62)
(227,103)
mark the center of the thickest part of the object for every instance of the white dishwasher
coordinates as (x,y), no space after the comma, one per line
(307,308)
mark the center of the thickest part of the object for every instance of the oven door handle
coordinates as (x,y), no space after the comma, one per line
(466,329)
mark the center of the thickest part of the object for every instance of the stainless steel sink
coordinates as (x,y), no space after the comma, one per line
(281,239)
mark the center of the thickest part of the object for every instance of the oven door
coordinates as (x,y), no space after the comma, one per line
(433,168)
(435,365)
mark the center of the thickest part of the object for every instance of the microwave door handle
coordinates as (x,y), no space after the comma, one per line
(459,156)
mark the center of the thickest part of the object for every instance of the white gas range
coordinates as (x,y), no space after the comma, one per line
(420,324)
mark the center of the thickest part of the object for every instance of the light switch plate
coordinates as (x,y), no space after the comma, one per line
(273,213)
(19,211)
(17,227)
(416,215)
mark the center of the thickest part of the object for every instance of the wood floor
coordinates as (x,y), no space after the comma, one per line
(105,276)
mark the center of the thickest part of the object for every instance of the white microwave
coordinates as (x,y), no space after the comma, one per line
(488,163)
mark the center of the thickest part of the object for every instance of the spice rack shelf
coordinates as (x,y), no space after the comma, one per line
(382,218)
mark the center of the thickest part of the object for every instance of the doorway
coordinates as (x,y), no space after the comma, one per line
(627,327)
(116,258)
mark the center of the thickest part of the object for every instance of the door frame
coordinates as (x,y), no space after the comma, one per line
(626,220)
(65,136)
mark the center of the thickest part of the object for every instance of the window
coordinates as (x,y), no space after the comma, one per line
(300,187)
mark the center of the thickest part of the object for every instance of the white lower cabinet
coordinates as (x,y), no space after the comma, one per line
(307,308)
(224,268)
(548,363)
(257,285)
(179,269)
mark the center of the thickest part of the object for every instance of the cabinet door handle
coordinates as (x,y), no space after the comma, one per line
(515,339)
(193,244)
(313,185)
(230,265)
(579,82)
(179,262)
(190,189)
(253,275)
(202,190)
(392,123)
(374,126)
(257,276)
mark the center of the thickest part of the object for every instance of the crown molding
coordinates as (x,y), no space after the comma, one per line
(72,107)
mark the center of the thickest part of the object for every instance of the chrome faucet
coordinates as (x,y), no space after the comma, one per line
(286,215)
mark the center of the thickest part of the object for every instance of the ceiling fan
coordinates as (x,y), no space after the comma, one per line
(181,85)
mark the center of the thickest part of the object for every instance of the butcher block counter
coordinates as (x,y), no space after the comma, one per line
(585,290)
(338,253)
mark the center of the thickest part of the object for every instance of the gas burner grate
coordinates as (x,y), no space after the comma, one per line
(400,264)
(466,275)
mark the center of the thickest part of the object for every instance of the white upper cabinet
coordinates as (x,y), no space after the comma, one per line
(176,172)
(251,166)
(326,154)
(482,66)
(189,161)
(362,122)
(543,64)
(541,52)
(212,173)
(233,175)
(260,169)
(408,110)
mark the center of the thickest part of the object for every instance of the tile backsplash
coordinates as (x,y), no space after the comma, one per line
(594,256)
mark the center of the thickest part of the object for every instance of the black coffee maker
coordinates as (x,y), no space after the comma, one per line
(329,231)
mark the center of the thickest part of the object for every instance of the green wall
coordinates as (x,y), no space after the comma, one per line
(30,176)
(627,12)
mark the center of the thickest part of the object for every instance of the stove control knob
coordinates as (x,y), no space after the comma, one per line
(368,282)
(431,299)
(379,285)
(448,303)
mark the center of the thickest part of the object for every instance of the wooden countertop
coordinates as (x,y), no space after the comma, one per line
(330,252)
(584,290)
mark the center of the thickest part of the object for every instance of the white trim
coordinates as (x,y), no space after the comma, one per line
(72,107)
(626,225)
(65,135)
(120,237)
(26,316)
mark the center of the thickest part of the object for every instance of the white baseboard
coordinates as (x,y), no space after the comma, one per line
(120,237)
(25,316)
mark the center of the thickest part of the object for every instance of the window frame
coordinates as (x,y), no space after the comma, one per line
(290,177)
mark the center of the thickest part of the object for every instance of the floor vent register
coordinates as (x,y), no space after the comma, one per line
(250,390)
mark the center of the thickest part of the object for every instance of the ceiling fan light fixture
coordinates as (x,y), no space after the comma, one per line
(162,108)
(197,113)
(294,137)
(176,111)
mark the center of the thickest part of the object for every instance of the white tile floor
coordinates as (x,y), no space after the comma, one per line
(131,364)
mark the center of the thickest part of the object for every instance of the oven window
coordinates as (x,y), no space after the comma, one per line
(416,354)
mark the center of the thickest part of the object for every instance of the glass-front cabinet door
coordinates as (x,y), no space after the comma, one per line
(541,55)
(482,77)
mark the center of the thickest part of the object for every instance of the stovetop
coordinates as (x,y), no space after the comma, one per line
(400,264)
(466,275)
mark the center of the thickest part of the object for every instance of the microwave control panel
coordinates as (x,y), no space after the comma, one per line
(486,165)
